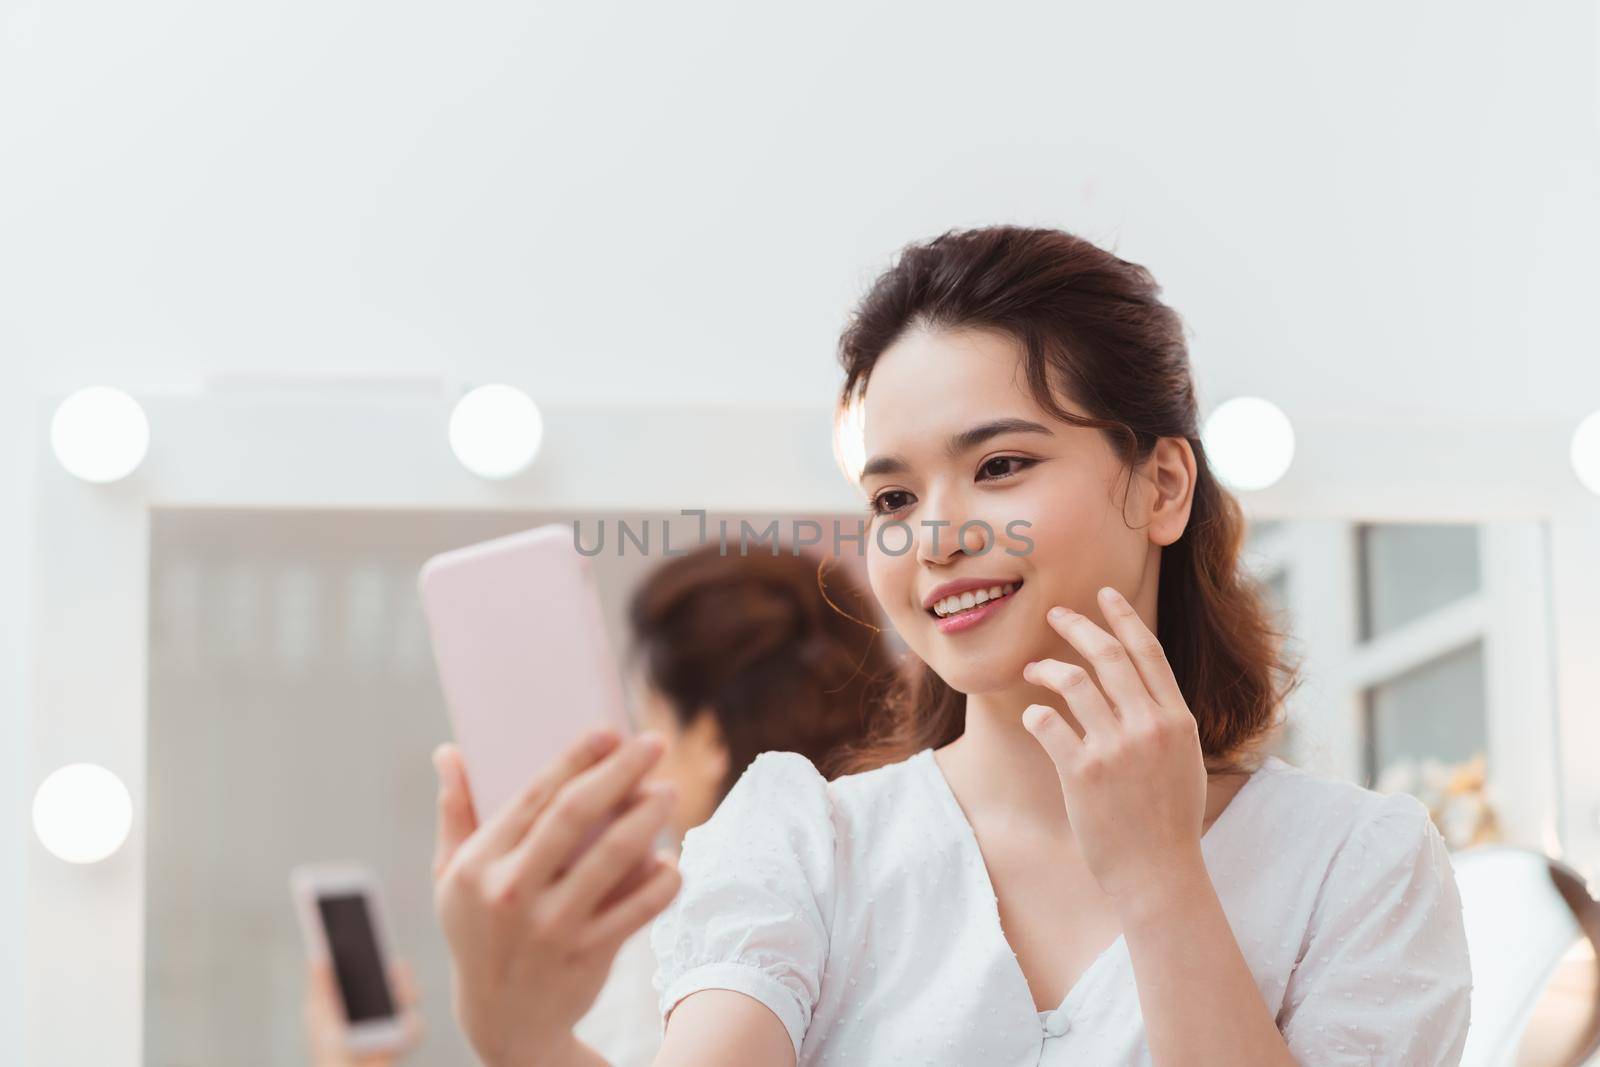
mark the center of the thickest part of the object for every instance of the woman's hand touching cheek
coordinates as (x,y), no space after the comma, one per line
(1135,782)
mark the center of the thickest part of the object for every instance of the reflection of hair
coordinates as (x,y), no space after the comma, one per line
(1092,326)
(757,641)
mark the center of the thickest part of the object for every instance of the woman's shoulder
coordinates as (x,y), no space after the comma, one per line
(778,796)
(1333,815)
(783,802)
(776,775)
(863,788)
(1373,890)
(1308,786)
(778,771)
(757,899)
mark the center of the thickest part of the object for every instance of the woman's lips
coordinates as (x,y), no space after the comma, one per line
(962,621)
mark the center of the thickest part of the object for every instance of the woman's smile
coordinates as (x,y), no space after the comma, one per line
(959,606)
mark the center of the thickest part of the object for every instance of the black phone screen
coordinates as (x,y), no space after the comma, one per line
(357,962)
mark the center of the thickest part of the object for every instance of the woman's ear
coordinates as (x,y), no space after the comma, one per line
(1171,474)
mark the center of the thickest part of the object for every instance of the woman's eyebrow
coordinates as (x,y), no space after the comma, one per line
(957,444)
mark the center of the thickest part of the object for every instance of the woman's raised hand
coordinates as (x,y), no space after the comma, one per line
(1134,781)
(533,930)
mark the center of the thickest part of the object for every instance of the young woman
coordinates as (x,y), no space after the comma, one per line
(1064,845)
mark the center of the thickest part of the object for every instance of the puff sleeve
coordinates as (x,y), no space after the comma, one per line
(754,908)
(1383,976)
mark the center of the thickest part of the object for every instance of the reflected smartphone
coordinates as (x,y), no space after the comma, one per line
(342,924)
(524,661)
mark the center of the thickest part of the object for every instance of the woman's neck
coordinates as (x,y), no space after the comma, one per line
(999,771)
(1002,775)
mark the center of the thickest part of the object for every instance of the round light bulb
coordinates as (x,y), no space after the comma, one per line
(1249,442)
(100,434)
(1586,452)
(495,431)
(82,813)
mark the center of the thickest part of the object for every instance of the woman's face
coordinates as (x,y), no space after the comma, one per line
(952,436)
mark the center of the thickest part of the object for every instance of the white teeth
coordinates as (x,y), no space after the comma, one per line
(971,599)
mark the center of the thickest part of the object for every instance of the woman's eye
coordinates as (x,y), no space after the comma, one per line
(994,469)
(884,502)
(999,466)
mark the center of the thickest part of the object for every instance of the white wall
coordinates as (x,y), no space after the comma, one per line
(1361,208)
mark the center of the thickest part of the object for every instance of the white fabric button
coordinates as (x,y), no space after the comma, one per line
(1056,1023)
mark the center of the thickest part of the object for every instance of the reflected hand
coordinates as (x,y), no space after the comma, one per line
(326,1025)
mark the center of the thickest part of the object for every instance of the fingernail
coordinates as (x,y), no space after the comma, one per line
(1059,614)
(1110,595)
(652,741)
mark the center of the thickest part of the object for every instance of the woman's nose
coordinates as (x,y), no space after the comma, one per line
(948,528)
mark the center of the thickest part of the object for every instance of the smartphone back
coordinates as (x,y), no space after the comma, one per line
(524,660)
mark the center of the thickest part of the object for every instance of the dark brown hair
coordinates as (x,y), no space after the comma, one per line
(758,642)
(1091,325)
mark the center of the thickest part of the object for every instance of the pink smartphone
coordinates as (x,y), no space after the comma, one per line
(523,656)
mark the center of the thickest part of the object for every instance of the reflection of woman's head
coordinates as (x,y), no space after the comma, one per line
(1081,466)
(742,654)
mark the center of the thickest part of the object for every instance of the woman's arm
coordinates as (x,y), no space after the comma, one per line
(741,951)
(1199,999)
(1134,783)
(722,1028)
(711,1028)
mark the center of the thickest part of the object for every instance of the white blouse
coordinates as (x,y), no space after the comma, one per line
(861,913)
